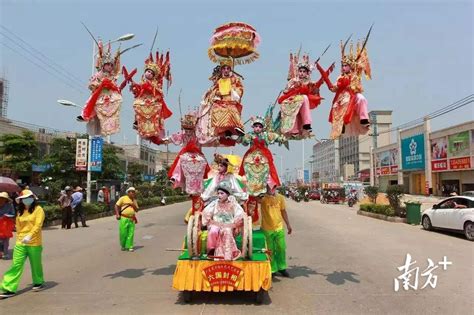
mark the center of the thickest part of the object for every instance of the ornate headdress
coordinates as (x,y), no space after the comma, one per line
(189,121)
(226,62)
(358,60)
(296,63)
(258,120)
(161,66)
(104,56)
(225,186)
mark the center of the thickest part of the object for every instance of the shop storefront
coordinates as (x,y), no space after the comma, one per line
(413,163)
(452,163)
(386,170)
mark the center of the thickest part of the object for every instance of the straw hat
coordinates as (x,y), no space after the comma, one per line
(4,194)
(25,194)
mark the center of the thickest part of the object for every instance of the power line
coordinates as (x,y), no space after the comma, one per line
(440,112)
(48,61)
(43,68)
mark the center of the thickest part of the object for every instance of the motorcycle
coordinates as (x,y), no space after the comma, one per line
(352,200)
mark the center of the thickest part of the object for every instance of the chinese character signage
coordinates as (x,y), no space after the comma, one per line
(219,275)
(458,144)
(81,154)
(413,152)
(460,163)
(96,154)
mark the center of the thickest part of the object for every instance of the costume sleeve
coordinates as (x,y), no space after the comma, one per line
(238,87)
(208,212)
(209,190)
(245,140)
(325,77)
(38,224)
(239,192)
(238,213)
(94,81)
(177,138)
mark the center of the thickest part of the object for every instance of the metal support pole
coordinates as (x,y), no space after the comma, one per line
(428,174)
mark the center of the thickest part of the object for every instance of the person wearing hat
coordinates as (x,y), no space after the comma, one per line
(273,216)
(76,206)
(222,217)
(7,223)
(125,211)
(29,222)
(65,203)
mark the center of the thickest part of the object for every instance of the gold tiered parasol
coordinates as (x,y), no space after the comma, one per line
(235,40)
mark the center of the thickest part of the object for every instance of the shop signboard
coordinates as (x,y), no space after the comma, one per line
(460,163)
(81,154)
(458,144)
(439,165)
(96,154)
(413,152)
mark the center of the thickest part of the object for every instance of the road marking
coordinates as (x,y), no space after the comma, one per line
(147,237)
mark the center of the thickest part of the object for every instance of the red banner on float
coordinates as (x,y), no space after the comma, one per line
(440,165)
(219,275)
(460,163)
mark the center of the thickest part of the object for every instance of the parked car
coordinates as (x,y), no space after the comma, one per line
(469,193)
(314,195)
(455,213)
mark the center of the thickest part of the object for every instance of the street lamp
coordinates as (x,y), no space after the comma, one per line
(123,38)
(68,103)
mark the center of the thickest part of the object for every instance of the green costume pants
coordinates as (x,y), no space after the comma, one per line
(126,232)
(276,243)
(12,277)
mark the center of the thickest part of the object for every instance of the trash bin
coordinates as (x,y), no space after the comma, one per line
(413,213)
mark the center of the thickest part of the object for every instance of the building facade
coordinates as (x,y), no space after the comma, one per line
(425,162)
(326,161)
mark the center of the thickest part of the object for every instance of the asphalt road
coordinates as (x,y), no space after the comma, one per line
(340,263)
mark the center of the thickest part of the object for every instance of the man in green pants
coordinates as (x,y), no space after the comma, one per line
(273,214)
(125,210)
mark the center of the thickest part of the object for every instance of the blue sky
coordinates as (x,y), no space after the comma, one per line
(420,52)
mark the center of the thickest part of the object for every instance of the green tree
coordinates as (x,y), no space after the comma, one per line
(19,152)
(62,158)
(372,192)
(111,167)
(135,173)
(394,194)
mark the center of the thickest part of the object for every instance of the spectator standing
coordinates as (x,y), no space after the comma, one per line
(65,203)
(29,222)
(77,208)
(7,223)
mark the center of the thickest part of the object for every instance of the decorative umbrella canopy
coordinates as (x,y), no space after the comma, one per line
(7,184)
(234,40)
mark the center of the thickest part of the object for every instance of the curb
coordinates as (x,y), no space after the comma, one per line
(382,217)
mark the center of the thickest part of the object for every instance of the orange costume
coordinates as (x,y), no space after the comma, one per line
(150,107)
(349,114)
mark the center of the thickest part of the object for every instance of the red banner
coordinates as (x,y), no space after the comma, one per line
(460,163)
(394,169)
(222,275)
(440,165)
(385,170)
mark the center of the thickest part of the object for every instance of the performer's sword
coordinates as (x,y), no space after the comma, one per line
(323,53)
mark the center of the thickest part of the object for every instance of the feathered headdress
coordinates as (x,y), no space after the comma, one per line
(161,67)
(296,63)
(105,56)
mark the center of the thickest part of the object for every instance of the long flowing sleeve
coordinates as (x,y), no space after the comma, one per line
(208,212)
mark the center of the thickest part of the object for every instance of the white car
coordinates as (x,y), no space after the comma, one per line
(455,213)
